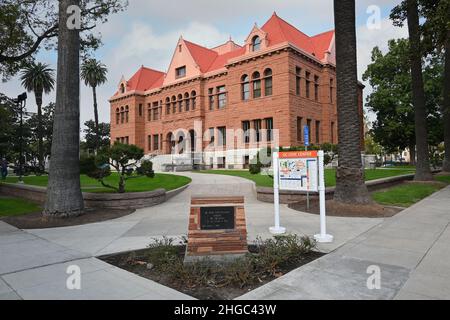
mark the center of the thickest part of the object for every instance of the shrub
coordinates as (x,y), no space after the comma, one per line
(262,160)
(124,159)
(87,164)
(272,255)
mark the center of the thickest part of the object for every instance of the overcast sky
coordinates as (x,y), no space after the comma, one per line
(147,33)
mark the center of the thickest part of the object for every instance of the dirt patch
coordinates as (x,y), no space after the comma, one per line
(136,262)
(37,221)
(337,209)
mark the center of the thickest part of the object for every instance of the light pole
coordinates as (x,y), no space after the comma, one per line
(21,104)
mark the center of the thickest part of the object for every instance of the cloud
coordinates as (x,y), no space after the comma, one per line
(146,34)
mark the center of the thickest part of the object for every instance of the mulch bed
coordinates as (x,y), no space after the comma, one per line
(37,221)
(337,209)
(136,262)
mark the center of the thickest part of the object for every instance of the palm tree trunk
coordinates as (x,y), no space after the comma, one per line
(412,154)
(97,130)
(38,96)
(64,198)
(446,105)
(350,186)
(423,172)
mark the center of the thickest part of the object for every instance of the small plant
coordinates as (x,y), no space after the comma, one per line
(271,256)
(262,160)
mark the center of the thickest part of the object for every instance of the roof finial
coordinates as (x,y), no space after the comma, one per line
(275,13)
(230,39)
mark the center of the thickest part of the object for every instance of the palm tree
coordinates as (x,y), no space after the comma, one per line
(64,197)
(423,172)
(40,79)
(350,186)
(93,73)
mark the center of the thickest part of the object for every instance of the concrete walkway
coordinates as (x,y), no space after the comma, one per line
(33,263)
(411,249)
(171,219)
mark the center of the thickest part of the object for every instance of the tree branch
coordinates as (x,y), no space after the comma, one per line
(47,34)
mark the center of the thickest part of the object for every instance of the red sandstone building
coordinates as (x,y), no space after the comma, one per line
(263,92)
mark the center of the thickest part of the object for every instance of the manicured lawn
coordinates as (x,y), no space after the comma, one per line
(16,207)
(445,179)
(330,175)
(405,195)
(138,184)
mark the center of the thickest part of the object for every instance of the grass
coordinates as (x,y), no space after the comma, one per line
(330,175)
(138,184)
(445,179)
(15,207)
(405,195)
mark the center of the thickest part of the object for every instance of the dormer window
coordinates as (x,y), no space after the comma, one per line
(122,88)
(180,72)
(256,43)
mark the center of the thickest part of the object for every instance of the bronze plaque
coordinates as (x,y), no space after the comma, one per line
(217,218)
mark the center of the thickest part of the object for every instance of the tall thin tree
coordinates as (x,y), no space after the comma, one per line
(38,78)
(93,72)
(423,171)
(350,186)
(64,197)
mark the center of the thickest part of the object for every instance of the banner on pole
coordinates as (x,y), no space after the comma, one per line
(298,171)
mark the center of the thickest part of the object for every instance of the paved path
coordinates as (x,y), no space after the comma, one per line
(411,249)
(34,263)
(171,219)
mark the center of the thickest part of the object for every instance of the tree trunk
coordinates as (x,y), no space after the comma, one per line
(446,105)
(350,185)
(38,96)
(412,154)
(423,172)
(64,198)
(121,184)
(97,130)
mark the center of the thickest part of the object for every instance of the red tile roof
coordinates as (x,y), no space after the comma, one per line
(145,79)
(322,43)
(204,57)
(278,31)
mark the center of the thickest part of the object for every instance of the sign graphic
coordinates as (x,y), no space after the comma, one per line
(298,171)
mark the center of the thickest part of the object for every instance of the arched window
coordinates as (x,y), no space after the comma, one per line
(256,79)
(180,103)
(174,104)
(268,82)
(245,87)
(117,116)
(256,43)
(167,105)
(122,115)
(122,88)
(187,101)
(127,110)
(194,99)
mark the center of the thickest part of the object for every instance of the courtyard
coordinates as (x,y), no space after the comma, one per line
(411,252)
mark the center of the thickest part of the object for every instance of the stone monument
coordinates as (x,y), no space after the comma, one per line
(217,228)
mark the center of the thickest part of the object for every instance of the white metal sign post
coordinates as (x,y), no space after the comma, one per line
(323,237)
(300,171)
(277,229)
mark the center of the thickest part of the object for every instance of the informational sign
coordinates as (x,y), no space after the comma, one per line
(306,135)
(217,218)
(298,171)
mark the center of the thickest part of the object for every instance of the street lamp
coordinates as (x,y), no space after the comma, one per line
(21,102)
